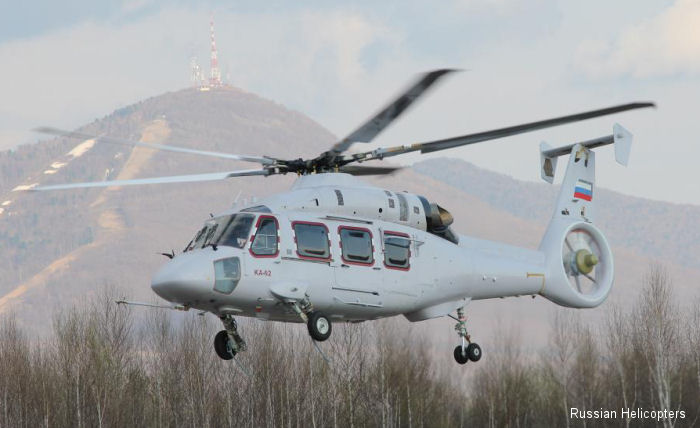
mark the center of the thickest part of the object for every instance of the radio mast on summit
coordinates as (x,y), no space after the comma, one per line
(215,78)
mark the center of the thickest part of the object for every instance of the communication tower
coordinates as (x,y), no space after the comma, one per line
(215,78)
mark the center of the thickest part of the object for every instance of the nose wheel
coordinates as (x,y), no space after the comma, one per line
(228,342)
(467,350)
(224,346)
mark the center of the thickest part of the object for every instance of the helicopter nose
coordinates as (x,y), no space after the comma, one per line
(185,278)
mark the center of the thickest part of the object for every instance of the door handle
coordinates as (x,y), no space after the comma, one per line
(344,265)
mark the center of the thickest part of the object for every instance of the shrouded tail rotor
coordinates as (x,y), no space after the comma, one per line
(581,269)
(584,262)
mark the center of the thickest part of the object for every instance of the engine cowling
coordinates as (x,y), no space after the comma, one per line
(438,220)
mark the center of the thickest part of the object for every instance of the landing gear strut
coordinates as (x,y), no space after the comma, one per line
(317,322)
(467,350)
(229,342)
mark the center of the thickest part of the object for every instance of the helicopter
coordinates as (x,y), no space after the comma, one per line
(336,249)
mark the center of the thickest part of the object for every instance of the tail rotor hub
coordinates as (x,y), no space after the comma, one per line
(587,261)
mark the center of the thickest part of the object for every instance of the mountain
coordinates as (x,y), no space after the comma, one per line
(60,247)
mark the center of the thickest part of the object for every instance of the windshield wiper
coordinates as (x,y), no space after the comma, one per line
(169,255)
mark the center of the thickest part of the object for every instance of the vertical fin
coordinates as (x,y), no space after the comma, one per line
(576,197)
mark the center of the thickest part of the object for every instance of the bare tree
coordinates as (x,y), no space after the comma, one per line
(619,341)
(658,329)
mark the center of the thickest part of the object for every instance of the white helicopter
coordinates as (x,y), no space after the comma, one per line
(335,249)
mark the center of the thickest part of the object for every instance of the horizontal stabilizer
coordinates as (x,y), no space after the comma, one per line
(621,138)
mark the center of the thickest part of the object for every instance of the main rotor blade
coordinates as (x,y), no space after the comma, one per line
(368,170)
(448,143)
(376,124)
(155,180)
(113,140)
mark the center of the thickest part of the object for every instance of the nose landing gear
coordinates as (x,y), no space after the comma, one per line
(228,342)
(467,351)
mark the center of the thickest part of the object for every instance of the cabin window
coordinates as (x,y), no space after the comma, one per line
(227,273)
(312,240)
(356,245)
(265,240)
(397,251)
(235,230)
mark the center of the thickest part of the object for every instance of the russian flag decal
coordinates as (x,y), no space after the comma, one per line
(583,190)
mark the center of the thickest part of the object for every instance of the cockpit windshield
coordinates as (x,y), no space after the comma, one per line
(231,230)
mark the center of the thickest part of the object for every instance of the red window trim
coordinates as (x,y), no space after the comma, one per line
(252,238)
(340,244)
(403,235)
(328,237)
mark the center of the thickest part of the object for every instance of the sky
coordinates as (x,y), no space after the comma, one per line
(67,63)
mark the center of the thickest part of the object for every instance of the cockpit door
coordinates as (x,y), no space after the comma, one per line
(264,247)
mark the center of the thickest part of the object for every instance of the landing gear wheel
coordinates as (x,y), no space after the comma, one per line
(461,357)
(474,352)
(319,326)
(223,346)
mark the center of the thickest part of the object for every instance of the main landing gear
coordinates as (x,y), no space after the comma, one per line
(319,326)
(317,322)
(229,342)
(467,351)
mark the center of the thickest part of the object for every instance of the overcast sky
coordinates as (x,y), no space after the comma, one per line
(67,63)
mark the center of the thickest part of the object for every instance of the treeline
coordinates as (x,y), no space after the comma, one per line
(105,365)
(101,368)
(647,357)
